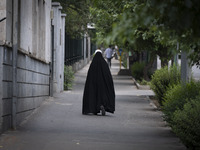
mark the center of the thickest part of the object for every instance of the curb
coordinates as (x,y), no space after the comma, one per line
(136,84)
(149,99)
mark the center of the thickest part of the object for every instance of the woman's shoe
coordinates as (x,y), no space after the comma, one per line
(103,112)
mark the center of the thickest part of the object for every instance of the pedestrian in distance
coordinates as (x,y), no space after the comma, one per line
(99,93)
(108,54)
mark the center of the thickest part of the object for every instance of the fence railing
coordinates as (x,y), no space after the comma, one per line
(72,60)
(73,50)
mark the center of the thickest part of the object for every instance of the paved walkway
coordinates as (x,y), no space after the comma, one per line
(59,125)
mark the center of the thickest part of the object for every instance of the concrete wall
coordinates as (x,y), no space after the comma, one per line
(7,87)
(1,86)
(3,23)
(6,25)
(62,50)
(59,38)
(35,29)
(33,57)
(32,85)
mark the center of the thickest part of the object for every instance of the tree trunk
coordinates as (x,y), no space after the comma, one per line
(164,62)
(147,67)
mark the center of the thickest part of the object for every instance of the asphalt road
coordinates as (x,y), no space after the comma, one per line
(59,125)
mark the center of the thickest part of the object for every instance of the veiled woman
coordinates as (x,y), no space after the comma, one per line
(99,93)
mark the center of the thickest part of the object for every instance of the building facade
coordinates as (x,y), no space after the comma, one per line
(58,24)
(32,51)
(25,58)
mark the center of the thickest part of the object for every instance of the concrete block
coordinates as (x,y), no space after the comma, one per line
(7,58)
(34,77)
(7,106)
(6,123)
(21,75)
(21,116)
(43,68)
(40,90)
(25,104)
(21,61)
(35,89)
(26,25)
(9,18)
(7,90)
(24,90)
(46,80)
(39,100)
(2,5)
(3,24)
(1,85)
(30,64)
(45,90)
(7,73)
(29,76)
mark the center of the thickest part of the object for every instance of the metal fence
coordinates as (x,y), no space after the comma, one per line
(73,50)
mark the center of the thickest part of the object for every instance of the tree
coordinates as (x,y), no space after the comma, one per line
(168,21)
(78,16)
(120,21)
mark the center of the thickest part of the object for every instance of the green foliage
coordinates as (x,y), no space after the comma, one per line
(137,70)
(78,16)
(150,24)
(164,78)
(104,14)
(68,77)
(119,22)
(143,82)
(177,96)
(187,123)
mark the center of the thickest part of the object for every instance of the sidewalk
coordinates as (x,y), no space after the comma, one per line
(59,125)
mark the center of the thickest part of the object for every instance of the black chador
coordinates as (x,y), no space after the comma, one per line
(99,93)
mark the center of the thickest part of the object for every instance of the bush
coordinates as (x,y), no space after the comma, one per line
(187,124)
(137,70)
(177,96)
(143,82)
(68,77)
(164,78)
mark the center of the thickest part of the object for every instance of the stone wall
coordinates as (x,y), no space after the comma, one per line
(33,59)
(32,86)
(59,39)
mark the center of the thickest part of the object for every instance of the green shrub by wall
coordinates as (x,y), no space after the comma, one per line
(162,79)
(137,70)
(177,96)
(68,77)
(187,124)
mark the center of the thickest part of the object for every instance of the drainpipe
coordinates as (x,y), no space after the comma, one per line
(52,56)
(14,69)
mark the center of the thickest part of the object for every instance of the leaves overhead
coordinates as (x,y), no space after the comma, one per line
(77,12)
(164,23)
(151,25)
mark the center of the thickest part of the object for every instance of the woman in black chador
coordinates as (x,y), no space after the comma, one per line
(99,93)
